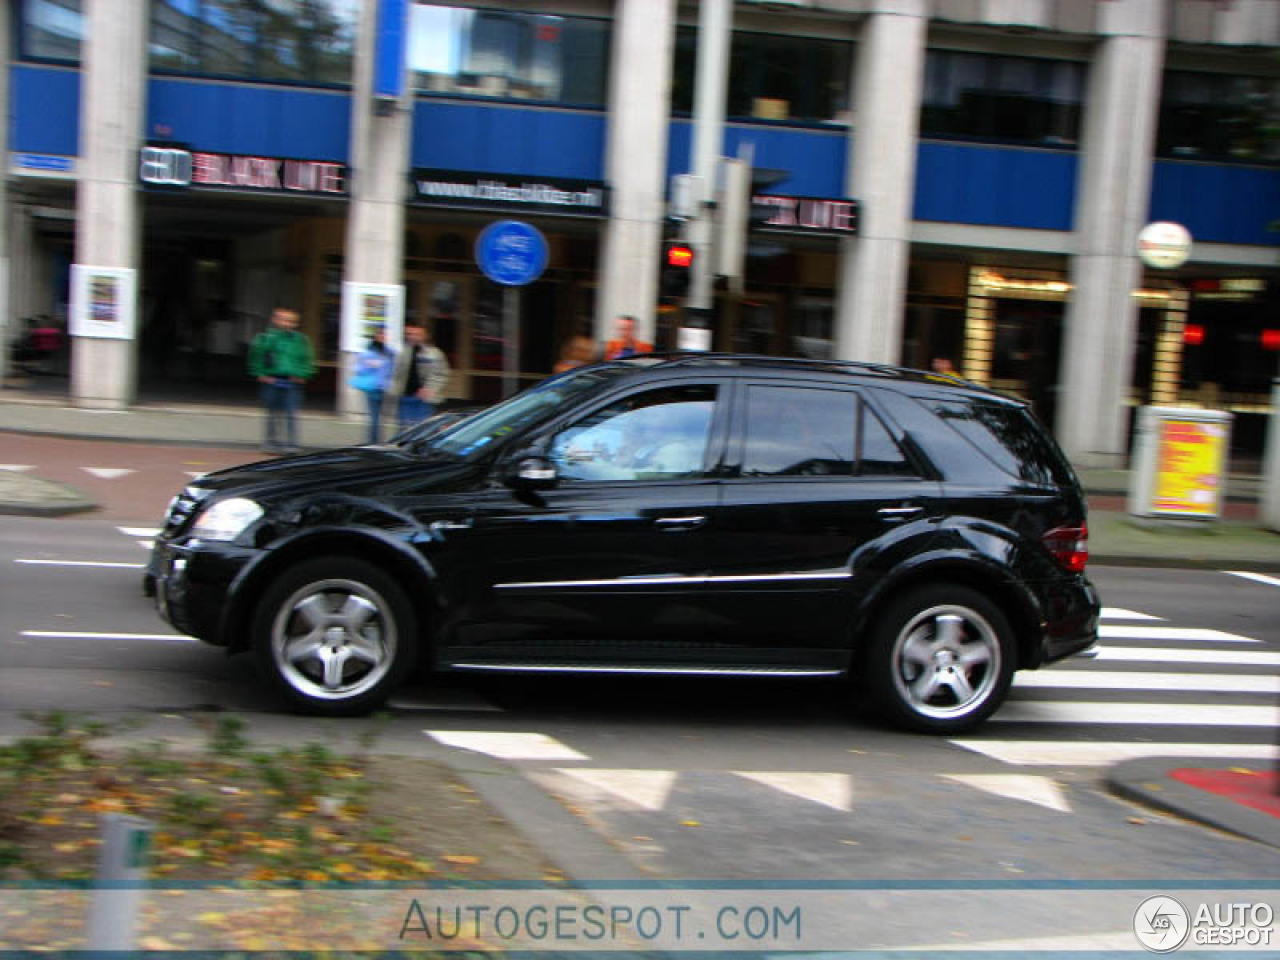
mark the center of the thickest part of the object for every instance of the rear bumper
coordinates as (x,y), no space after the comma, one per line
(1072,610)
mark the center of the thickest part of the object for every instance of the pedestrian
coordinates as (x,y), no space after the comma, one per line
(624,342)
(280,359)
(372,376)
(944,366)
(420,375)
(577,351)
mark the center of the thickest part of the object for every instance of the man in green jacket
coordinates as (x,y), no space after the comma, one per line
(280,359)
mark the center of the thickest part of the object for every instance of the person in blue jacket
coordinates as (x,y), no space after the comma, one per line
(372,375)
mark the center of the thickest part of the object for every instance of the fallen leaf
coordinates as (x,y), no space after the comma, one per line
(1138,821)
(1244,770)
(690,823)
(460,859)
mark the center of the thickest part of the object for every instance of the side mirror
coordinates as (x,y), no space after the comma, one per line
(533,473)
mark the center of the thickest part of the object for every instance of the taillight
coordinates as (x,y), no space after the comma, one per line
(1069,546)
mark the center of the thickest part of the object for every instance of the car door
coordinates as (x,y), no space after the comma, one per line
(818,492)
(606,566)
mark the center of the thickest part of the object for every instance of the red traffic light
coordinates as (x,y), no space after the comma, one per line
(678,255)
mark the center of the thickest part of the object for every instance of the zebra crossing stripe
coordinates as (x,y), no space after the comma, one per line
(1129,680)
(1120,613)
(1251,658)
(1125,631)
(1085,753)
(140,531)
(1159,714)
(1259,577)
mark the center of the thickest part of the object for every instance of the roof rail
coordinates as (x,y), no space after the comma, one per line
(684,359)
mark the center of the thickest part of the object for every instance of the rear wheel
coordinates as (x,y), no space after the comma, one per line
(335,635)
(940,659)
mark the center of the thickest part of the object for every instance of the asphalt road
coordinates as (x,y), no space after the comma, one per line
(742,779)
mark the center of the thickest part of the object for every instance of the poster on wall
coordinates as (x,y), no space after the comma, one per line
(367,308)
(1190,468)
(103,302)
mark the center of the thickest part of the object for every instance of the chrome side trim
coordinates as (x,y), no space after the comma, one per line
(670,671)
(647,581)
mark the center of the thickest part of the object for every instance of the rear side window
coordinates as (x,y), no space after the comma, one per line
(1010,438)
(806,432)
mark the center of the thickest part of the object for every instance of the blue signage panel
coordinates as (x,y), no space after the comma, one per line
(389,49)
(511,252)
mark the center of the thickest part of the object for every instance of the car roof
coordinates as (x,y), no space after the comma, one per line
(923,382)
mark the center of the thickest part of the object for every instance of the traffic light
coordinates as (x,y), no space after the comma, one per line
(677,268)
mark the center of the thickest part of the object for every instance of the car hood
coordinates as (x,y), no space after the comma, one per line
(329,469)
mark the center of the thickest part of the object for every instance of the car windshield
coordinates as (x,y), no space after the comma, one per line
(477,433)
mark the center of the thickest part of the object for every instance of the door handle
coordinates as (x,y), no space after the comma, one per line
(677,524)
(438,525)
(899,513)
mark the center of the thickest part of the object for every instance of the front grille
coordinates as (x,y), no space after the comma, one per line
(182,509)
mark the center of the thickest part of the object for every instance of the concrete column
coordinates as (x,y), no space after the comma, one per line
(887,79)
(113,72)
(379,179)
(1269,508)
(1113,193)
(636,163)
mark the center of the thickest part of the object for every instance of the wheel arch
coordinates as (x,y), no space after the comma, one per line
(1016,602)
(411,571)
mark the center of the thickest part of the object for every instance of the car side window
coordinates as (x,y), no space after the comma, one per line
(799,432)
(812,432)
(656,435)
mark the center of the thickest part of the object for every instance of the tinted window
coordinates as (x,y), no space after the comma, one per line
(657,435)
(878,454)
(797,432)
(1207,116)
(1011,438)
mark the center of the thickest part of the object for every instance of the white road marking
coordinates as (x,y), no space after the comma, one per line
(194,474)
(507,746)
(1259,577)
(140,531)
(1060,753)
(1164,714)
(81,563)
(1122,680)
(1043,791)
(1120,613)
(1124,631)
(639,789)
(81,635)
(1256,658)
(17,467)
(108,473)
(834,790)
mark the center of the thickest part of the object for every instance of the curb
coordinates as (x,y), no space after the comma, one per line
(8,509)
(37,497)
(1147,781)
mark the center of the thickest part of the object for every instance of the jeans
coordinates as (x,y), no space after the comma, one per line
(374,399)
(413,410)
(281,398)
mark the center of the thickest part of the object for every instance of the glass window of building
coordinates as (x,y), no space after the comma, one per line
(986,96)
(50,29)
(297,41)
(1211,116)
(503,54)
(773,77)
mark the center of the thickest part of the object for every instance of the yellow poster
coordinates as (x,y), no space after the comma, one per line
(1190,470)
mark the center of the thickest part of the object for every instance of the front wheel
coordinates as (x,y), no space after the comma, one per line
(940,659)
(335,635)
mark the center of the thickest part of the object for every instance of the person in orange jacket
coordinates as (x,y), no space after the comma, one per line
(624,343)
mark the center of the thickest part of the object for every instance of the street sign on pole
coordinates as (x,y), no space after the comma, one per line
(511,253)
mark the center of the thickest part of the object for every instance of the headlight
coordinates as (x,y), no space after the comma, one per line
(226,519)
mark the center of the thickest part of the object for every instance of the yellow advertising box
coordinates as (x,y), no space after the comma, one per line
(1180,463)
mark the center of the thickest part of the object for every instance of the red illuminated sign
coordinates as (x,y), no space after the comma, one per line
(1271,339)
(678,256)
(1193,334)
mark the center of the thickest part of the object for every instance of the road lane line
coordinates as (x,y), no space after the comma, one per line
(1120,613)
(1124,631)
(81,635)
(1259,577)
(140,531)
(1162,714)
(1251,658)
(1122,680)
(80,563)
(1062,753)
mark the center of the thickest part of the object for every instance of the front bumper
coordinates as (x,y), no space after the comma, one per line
(193,580)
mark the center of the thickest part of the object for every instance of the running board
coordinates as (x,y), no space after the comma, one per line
(666,671)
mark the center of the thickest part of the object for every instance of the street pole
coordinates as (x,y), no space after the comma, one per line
(715,20)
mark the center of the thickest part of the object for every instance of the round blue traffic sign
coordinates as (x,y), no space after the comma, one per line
(511,253)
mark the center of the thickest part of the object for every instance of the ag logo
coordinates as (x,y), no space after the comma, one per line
(1161,924)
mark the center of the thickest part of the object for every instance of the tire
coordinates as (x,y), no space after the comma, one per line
(334,636)
(940,660)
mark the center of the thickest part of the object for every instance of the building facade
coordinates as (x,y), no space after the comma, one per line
(179,167)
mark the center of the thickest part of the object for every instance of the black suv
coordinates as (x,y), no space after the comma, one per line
(689,514)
